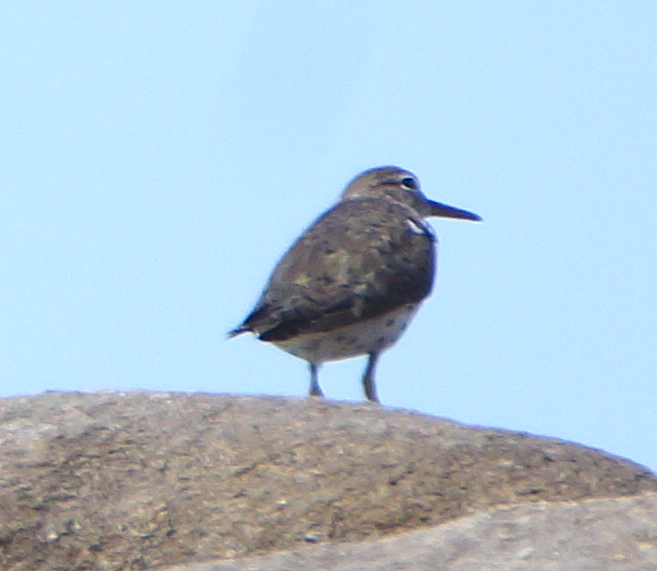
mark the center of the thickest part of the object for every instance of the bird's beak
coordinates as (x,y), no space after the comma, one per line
(444,211)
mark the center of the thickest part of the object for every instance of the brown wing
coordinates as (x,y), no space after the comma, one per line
(360,259)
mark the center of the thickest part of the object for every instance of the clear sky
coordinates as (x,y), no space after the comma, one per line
(158,157)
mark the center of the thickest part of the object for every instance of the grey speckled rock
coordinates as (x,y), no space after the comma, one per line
(618,534)
(139,480)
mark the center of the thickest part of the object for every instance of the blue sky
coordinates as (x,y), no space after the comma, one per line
(158,158)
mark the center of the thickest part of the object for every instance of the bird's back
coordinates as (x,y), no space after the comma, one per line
(361,259)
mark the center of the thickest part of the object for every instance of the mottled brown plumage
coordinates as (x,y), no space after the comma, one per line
(352,281)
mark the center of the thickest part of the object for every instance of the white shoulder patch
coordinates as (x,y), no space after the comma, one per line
(418,227)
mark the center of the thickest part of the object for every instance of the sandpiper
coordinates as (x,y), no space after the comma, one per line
(352,282)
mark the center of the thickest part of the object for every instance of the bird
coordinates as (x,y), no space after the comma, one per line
(353,280)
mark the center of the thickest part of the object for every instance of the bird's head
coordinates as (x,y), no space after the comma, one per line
(401,186)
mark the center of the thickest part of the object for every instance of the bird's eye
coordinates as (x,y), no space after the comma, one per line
(409,182)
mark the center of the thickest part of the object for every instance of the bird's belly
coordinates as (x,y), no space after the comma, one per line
(371,336)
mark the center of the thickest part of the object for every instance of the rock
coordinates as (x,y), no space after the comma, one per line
(139,480)
(618,534)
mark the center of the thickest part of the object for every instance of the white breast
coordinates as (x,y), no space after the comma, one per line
(371,336)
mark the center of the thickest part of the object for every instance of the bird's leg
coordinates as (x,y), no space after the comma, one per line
(315,390)
(368,378)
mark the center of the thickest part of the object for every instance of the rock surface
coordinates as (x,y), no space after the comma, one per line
(618,534)
(139,480)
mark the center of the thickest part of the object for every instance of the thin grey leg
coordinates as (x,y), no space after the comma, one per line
(368,378)
(315,390)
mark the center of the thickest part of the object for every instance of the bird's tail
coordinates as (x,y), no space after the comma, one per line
(237,331)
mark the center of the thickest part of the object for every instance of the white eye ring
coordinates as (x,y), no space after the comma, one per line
(409,182)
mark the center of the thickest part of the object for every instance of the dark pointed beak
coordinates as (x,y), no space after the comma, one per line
(444,211)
